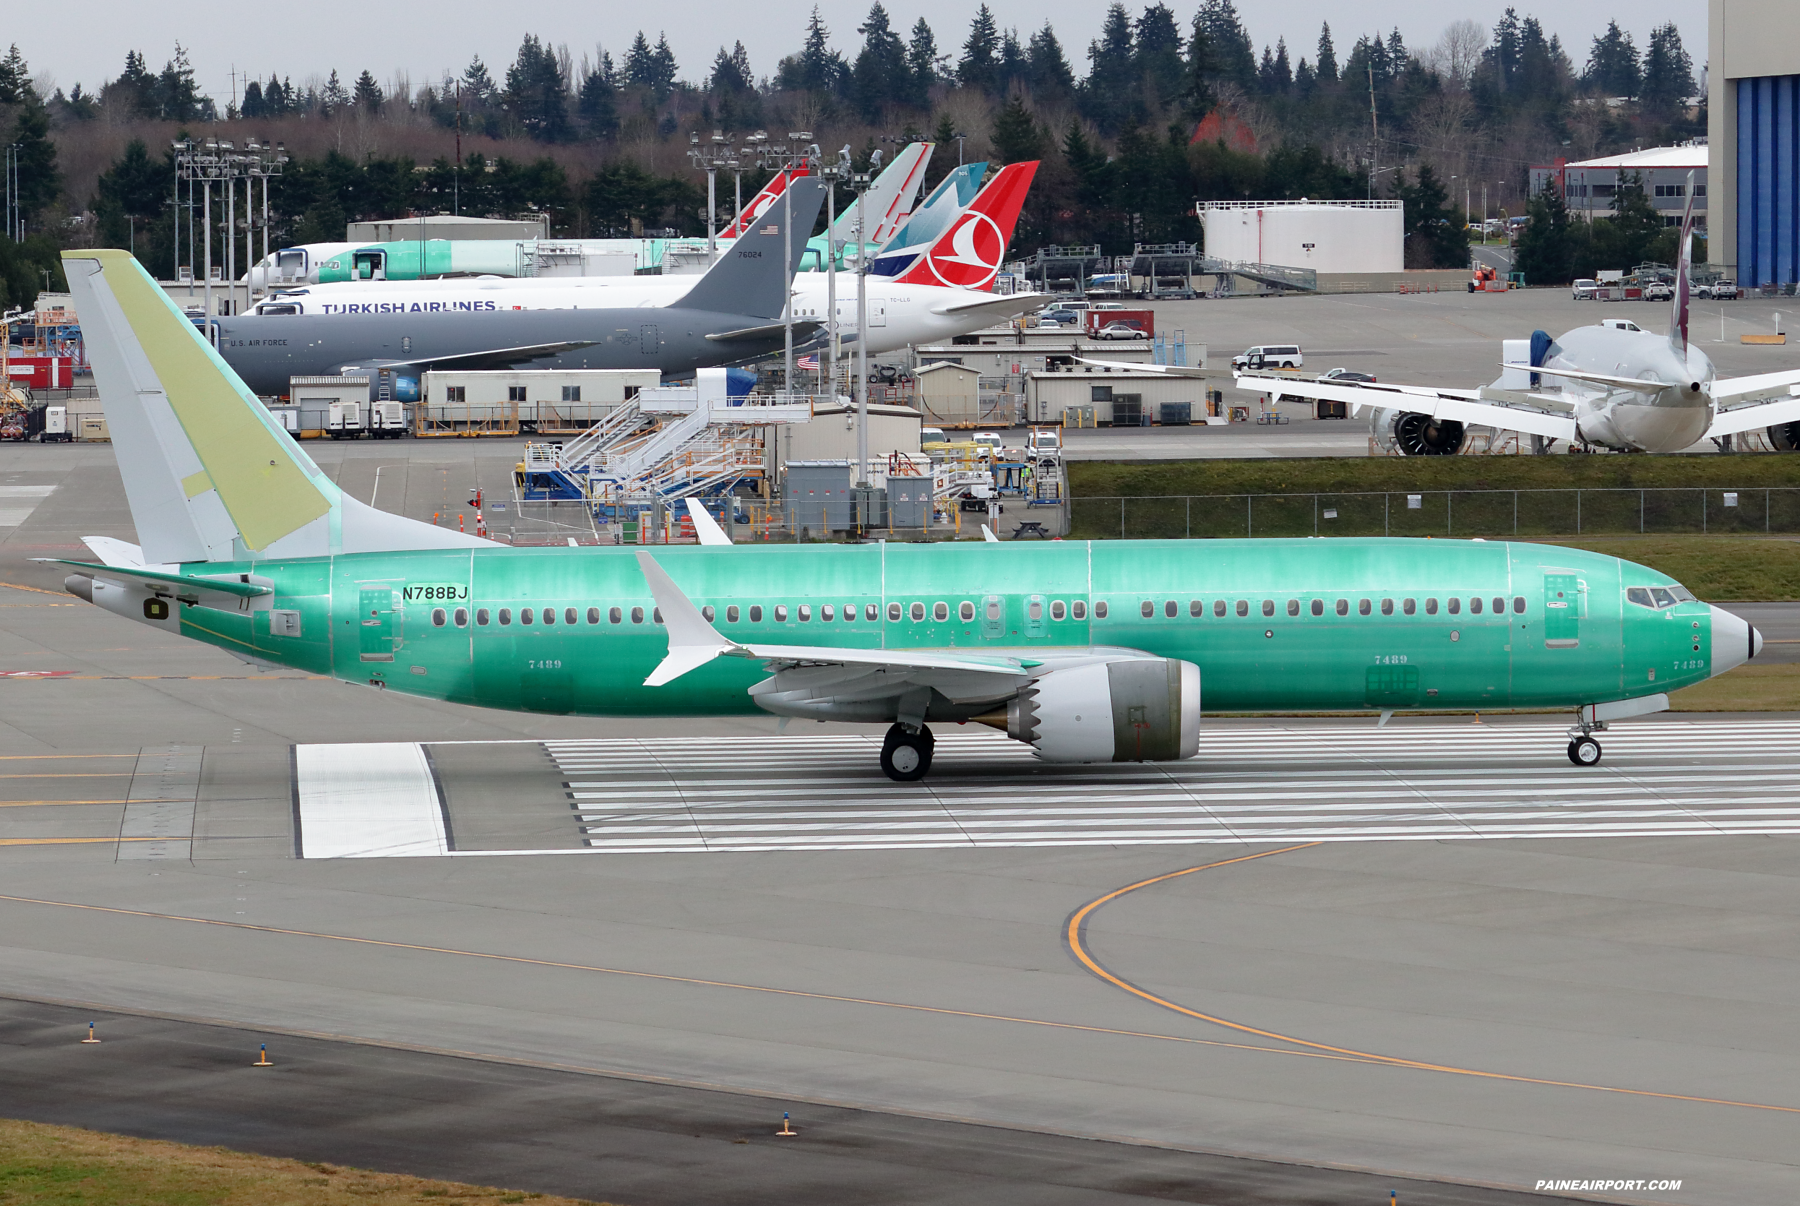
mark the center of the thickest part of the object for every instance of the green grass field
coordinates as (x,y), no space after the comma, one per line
(63,1166)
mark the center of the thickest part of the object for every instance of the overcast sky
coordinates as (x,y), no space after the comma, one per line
(425,39)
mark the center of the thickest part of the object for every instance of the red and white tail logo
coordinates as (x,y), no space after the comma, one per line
(771,192)
(969,254)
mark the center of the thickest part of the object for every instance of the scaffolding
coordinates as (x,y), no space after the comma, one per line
(1167,269)
(1063,270)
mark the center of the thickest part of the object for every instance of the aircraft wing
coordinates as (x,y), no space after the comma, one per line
(1758,388)
(499,357)
(693,642)
(1131,366)
(1752,415)
(1461,406)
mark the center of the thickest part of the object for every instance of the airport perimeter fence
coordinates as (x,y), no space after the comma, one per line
(1445,513)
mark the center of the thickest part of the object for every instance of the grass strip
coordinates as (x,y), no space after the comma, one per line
(64,1166)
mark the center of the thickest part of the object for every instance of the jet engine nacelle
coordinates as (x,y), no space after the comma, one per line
(1129,710)
(1412,434)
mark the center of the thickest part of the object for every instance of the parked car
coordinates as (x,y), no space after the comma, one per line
(1585,289)
(989,442)
(1659,291)
(932,435)
(1270,355)
(1344,375)
(1120,330)
(1060,316)
(1724,290)
(1044,445)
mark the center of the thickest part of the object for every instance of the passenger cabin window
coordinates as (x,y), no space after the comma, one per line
(505,616)
(1293,607)
(1218,607)
(756,613)
(1079,609)
(1147,609)
(637,615)
(940,612)
(1475,606)
(1243,607)
(1170,610)
(462,617)
(1318,607)
(781,613)
(1196,608)
(1431,607)
(1409,606)
(1362,607)
(1100,609)
(871,612)
(1499,606)
(1056,609)
(569,615)
(526,614)
(706,612)
(965,611)
(918,612)
(657,615)
(827,613)
(549,615)
(614,615)
(437,617)
(1268,607)
(481,615)
(1387,607)
(1519,605)
(1034,610)
(1453,605)
(731,614)
(1343,607)
(593,615)
(893,611)
(804,611)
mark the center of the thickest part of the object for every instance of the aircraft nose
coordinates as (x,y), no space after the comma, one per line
(1734,641)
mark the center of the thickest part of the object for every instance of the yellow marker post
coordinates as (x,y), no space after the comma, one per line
(262,1058)
(90,1038)
(787,1130)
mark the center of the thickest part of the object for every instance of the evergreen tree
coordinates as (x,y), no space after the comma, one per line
(640,65)
(1017,138)
(537,93)
(980,59)
(1047,69)
(253,101)
(1327,66)
(1612,66)
(1228,42)
(366,94)
(1668,72)
(1156,55)
(15,78)
(131,195)
(477,84)
(1110,95)
(598,103)
(880,74)
(817,68)
(334,97)
(133,94)
(731,71)
(1304,79)
(39,180)
(1199,75)
(1011,68)
(1548,245)
(1435,237)
(922,67)
(178,97)
(663,67)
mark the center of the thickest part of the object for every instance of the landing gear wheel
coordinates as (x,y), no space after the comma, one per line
(905,757)
(1584,751)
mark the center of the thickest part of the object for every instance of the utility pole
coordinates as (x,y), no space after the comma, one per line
(1375,134)
(831,173)
(859,184)
(710,157)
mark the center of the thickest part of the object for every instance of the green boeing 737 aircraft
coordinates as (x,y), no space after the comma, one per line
(1089,652)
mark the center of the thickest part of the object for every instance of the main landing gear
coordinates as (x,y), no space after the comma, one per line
(905,757)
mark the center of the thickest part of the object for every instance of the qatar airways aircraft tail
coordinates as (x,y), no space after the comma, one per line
(1684,269)
(968,255)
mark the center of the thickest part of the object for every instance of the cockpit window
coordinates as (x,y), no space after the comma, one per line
(1640,595)
(1658,597)
(1663,596)
(1682,594)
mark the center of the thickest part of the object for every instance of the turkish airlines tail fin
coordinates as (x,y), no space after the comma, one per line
(933,217)
(889,199)
(1684,268)
(762,201)
(969,254)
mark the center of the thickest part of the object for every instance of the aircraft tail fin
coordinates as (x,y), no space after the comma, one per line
(954,194)
(968,255)
(750,277)
(1684,270)
(762,201)
(208,473)
(889,198)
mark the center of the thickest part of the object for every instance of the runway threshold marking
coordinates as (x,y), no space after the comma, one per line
(1309,1050)
(1075,933)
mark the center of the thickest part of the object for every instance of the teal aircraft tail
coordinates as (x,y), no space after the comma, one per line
(208,473)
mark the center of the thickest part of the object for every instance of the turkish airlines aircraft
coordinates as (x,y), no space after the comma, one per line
(939,298)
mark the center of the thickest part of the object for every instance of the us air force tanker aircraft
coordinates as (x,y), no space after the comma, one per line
(912,309)
(732,314)
(1088,652)
(1620,387)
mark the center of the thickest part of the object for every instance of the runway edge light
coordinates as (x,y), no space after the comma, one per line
(262,1058)
(90,1035)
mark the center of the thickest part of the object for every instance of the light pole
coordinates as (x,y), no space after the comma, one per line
(859,184)
(709,157)
(831,173)
(959,136)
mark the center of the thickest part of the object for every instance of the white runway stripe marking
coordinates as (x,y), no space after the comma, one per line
(367,801)
(1321,783)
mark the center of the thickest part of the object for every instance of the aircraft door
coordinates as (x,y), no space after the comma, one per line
(1565,606)
(877,314)
(368,266)
(379,624)
(649,339)
(993,618)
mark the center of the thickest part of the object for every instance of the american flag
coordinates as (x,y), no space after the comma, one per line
(809,363)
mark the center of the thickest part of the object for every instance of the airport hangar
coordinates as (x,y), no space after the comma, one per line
(1753,79)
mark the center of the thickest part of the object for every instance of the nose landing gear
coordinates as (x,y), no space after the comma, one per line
(1584,751)
(905,757)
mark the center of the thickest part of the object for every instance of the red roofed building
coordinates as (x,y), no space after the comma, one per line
(1228,128)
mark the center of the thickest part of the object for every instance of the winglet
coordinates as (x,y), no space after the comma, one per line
(705,526)
(692,641)
(987,535)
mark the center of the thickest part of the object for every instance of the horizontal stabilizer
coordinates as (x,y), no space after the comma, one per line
(237,585)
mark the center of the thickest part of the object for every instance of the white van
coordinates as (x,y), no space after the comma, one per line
(1272,355)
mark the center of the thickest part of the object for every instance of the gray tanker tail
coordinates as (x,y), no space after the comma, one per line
(732,315)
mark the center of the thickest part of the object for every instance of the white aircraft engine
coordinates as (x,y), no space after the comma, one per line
(1412,434)
(1129,710)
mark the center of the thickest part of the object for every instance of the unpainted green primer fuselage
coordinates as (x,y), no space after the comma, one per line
(390,619)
